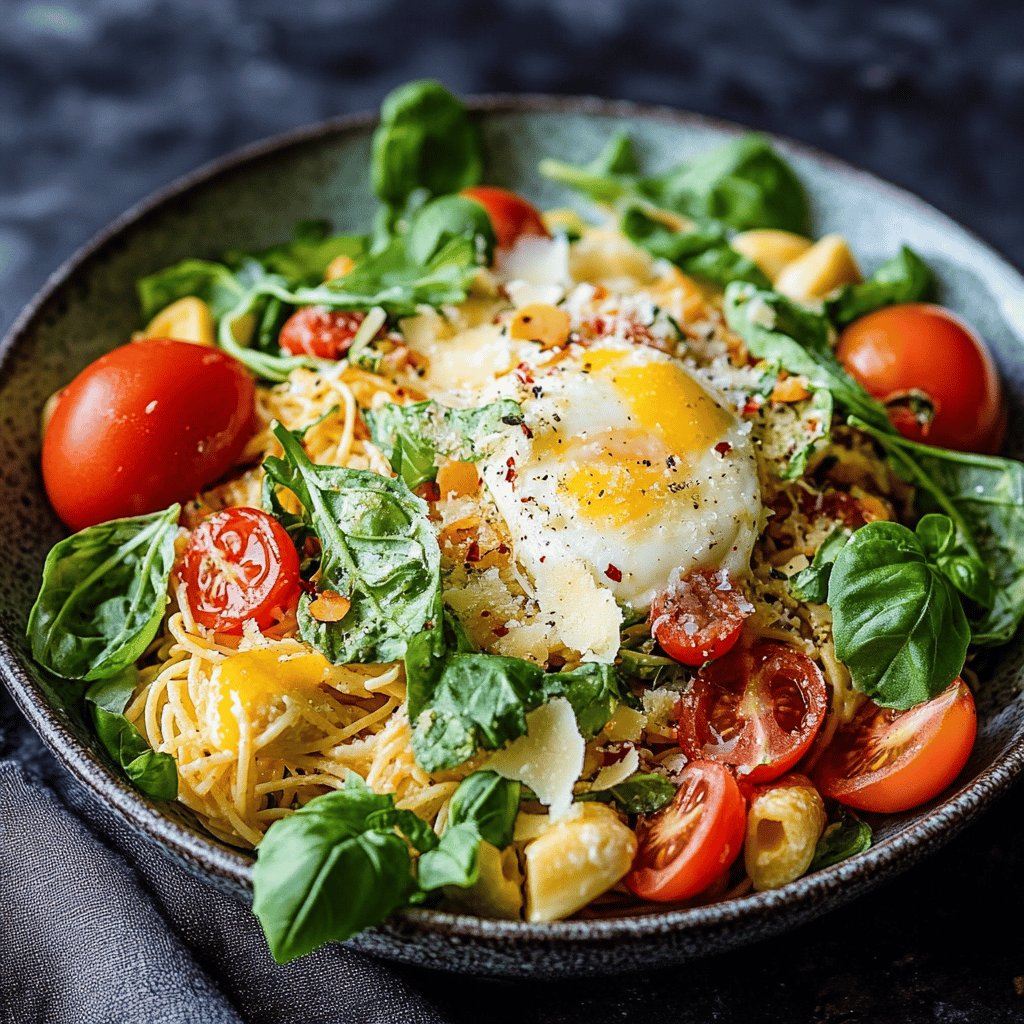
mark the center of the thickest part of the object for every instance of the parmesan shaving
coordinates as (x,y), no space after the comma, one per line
(616,773)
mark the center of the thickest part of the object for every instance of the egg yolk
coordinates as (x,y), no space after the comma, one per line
(249,680)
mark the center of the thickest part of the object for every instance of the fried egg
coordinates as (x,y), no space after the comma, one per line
(628,469)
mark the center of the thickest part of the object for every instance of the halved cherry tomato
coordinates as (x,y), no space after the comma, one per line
(900,350)
(757,710)
(239,564)
(320,332)
(145,425)
(692,842)
(890,761)
(511,215)
(699,617)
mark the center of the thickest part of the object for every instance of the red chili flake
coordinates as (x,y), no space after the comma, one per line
(723,447)
(527,500)
(485,614)
(523,373)
(555,663)
(500,631)
(473,552)
(510,473)
(526,430)
(613,573)
(599,325)
(751,407)
(543,558)
(429,491)
(502,549)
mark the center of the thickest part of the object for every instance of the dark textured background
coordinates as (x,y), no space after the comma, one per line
(101,101)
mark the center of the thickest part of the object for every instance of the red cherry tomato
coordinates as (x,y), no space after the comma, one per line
(239,564)
(320,332)
(692,842)
(511,215)
(925,348)
(146,425)
(891,761)
(757,710)
(699,617)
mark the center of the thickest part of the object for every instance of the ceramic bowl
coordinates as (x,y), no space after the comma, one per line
(254,198)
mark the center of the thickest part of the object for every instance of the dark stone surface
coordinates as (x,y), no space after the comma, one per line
(103,100)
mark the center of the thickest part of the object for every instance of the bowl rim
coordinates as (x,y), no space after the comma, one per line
(839,884)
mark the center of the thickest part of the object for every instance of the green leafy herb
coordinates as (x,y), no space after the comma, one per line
(897,620)
(305,259)
(904,278)
(103,595)
(816,420)
(702,252)
(155,774)
(643,793)
(425,142)
(811,584)
(436,223)
(612,175)
(844,838)
(799,340)
(413,436)
(483,809)
(334,867)
(378,549)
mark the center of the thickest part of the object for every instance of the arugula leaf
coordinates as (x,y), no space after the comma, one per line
(844,838)
(305,259)
(811,584)
(103,595)
(378,549)
(425,141)
(642,793)
(702,252)
(610,176)
(799,340)
(459,702)
(334,867)
(210,281)
(483,809)
(413,436)
(904,278)
(155,774)
(897,621)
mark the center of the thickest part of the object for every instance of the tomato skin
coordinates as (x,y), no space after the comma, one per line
(511,215)
(145,425)
(320,332)
(690,844)
(924,347)
(891,761)
(758,710)
(699,617)
(239,564)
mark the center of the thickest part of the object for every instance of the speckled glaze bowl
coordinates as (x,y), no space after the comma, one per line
(254,198)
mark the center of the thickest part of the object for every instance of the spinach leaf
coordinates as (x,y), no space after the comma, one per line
(103,595)
(459,703)
(155,774)
(811,584)
(378,549)
(897,621)
(334,867)
(844,838)
(483,809)
(798,340)
(702,252)
(425,141)
(413,436)
(904,278)
(214,283)
(744,184)
(642,793)
(438,222)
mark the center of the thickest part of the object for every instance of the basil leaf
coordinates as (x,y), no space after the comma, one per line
(844,838)
(103,595)
(436,223)
(904,278)
(461,702)
(703,252)
(744,184)
(798,340)
(897,621)
(413,436)
(331,869)
(643,793)
(155,774)
(378,549)
(490,803)
(456,861)
(425,141)
(811,584)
